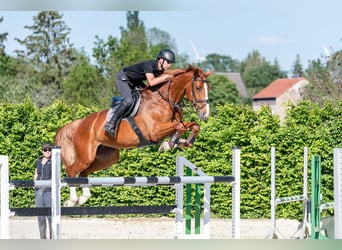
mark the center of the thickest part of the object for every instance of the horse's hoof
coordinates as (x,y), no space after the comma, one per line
(182,143)
(70,203)
(185,145)
(164,147)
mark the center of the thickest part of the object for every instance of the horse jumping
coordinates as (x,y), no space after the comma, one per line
(86,147)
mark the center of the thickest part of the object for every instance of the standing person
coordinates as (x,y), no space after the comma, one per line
(43,195)
(146,73)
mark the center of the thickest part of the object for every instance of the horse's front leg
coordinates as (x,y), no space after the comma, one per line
(177,141)
(174,140)
(189,142)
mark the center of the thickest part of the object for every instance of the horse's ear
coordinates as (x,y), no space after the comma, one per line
(208,73)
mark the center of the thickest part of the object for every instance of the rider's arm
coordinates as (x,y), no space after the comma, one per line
(153,81)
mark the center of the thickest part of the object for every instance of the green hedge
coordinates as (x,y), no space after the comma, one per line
(24,127)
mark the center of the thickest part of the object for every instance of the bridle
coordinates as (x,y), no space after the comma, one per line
(178,106)
(196,102)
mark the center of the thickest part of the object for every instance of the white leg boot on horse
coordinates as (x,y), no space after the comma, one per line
(164,146)
(176,141)
(84,197)
(73,198)
(172,143)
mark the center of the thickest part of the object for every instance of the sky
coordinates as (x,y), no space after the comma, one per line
(279,30)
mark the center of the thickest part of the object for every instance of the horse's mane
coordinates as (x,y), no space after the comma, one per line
(176,72)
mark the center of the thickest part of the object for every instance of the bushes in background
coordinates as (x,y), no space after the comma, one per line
(23,128)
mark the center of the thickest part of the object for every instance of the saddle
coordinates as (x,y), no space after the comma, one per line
(131,111)
(129,114)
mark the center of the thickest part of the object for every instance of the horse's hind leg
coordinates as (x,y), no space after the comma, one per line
(72,198)
(84,196)
(105,158)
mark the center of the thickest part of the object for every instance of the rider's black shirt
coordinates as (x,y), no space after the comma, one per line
(136,73)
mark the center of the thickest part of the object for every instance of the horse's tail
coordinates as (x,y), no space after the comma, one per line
(64,139)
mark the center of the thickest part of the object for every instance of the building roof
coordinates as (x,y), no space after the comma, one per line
(277,88)
(236,78)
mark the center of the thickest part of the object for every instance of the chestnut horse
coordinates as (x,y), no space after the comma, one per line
(86,147)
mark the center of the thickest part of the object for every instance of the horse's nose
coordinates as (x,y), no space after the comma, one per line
(204,115)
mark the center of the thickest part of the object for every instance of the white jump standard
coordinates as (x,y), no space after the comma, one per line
(274,232)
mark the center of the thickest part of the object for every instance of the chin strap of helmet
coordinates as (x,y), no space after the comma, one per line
(162,65)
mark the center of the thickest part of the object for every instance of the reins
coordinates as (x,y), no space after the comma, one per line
(174,106)
(179,106)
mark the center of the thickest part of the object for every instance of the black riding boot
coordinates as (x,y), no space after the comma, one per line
(110,126)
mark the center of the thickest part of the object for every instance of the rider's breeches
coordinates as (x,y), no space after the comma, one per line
(124,88)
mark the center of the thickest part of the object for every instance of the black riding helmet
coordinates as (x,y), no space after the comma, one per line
(167,54)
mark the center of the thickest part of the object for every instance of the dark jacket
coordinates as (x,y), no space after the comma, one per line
(44,171)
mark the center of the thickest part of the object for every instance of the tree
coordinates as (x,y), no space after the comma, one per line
(6,67)
(134,45)
(325,77)
(297,68)
(112,55)
(253,60)
(158,39)
(220,63)
(3,37)
(222,91)
(257,73)
(84,85)
(182,61)
(48,49)
(103,52)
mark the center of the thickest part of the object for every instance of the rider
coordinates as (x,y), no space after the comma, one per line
(146,73)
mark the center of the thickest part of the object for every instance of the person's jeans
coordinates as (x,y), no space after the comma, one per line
(43,199)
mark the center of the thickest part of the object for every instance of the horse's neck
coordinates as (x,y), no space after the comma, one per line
(174,92)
